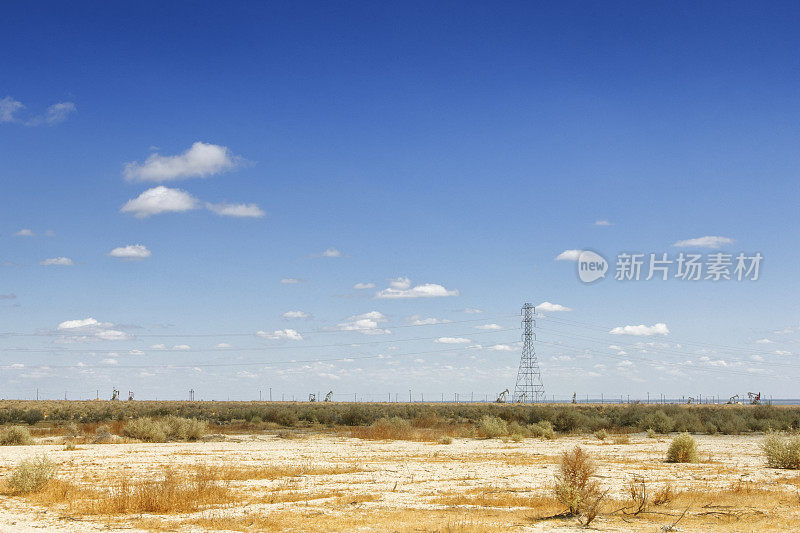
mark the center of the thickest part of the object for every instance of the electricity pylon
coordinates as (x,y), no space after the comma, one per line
(529,387)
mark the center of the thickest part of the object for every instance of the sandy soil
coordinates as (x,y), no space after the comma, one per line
(395,474)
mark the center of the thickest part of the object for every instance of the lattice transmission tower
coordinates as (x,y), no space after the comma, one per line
(529,386)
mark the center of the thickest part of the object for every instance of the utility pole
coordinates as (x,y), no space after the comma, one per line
(529,387)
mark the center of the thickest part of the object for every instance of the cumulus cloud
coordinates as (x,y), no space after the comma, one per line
(501,348)
(602,223)
(281,334)
(222,345)
(295,314)
(25,232)
(472,311)
(362,286)
(132,252)
(453,340)
(418,320)
(709,241)
(9,108)
(160,200)
(236,210)
(291,281)
(331,252)
(489,327)
(641,330)
(199,161)
(763,341)
(401,288)
(182,347)
(57,261)
(85,329)
(569,255)
(548,307)
(366,323)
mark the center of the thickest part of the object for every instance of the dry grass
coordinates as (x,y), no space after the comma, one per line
(400,429)
(499,497)
(269,472)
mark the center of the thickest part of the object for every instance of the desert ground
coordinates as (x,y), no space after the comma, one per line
(330,481)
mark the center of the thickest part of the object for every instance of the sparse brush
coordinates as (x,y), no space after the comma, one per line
(683,449)
(601,434)
(664,495)
(32,475)
(638,497)
(444,439)
(491,427)
(516,437)
(70,446)
(102,435)
(782,452)
(651,434)
(15,436)
(542,429)
(621,439)
(165,429)
(574,486)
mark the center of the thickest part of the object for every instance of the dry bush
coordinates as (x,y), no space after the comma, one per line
(517,437)
(15,436)
(782,452)
(542,429)
(574,486)
(245,473)
(664,495)
(32,475)
(70,446)
(621,439)
(394,428)
(102,435)
(444,439)
(651,434)
(491,427)
(683,449)
(165,429)
(638,498)
(601,434)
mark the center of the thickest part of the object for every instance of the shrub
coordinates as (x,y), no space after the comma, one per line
(102,435)
(658,421)
(444,439)
(517,437)
(69,446)
(683,449)
(782,452)
(575,487)
(31,475)
(15,436)
(542,430)
(601,434)
(491,427)
(621,439)
(651,434)
(164,429)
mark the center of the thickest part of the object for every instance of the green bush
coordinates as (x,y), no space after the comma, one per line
(15,436)
(31,475)
(445,440)
(683,449)
(601,434)
(102,435)
(491,427)
(165,429)
(782,452)
(658,421)
(542,430)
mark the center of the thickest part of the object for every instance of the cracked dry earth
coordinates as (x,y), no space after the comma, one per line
(469,485)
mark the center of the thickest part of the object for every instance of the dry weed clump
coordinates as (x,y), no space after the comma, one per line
(574,486)
(170,428)
(102,435)
(601,434)
(491,427)
(782,452)
(683,449)
(15,436)
(32,475)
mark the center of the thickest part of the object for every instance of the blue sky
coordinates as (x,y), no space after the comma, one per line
(463,146)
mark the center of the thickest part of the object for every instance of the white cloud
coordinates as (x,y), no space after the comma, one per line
(291,281)
(56,113)
(109,361)
(708,241)
(548,307)
(160,200)
(182,347)
(223,345)
(401,288)
(9,108)
(281,334)
(201,160)
(236,210)
(602,223)
(57,261)
(782,352)
(158,347)
(132,252)
(418,320)
(295,314)
(641,330)
(25,232)
(361,286)
(367,323)
(569,255)
(453,340)
(501,348)
(472,311)
(88,328)
(331,252)
(135,352)
(489,327)
(763,341)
